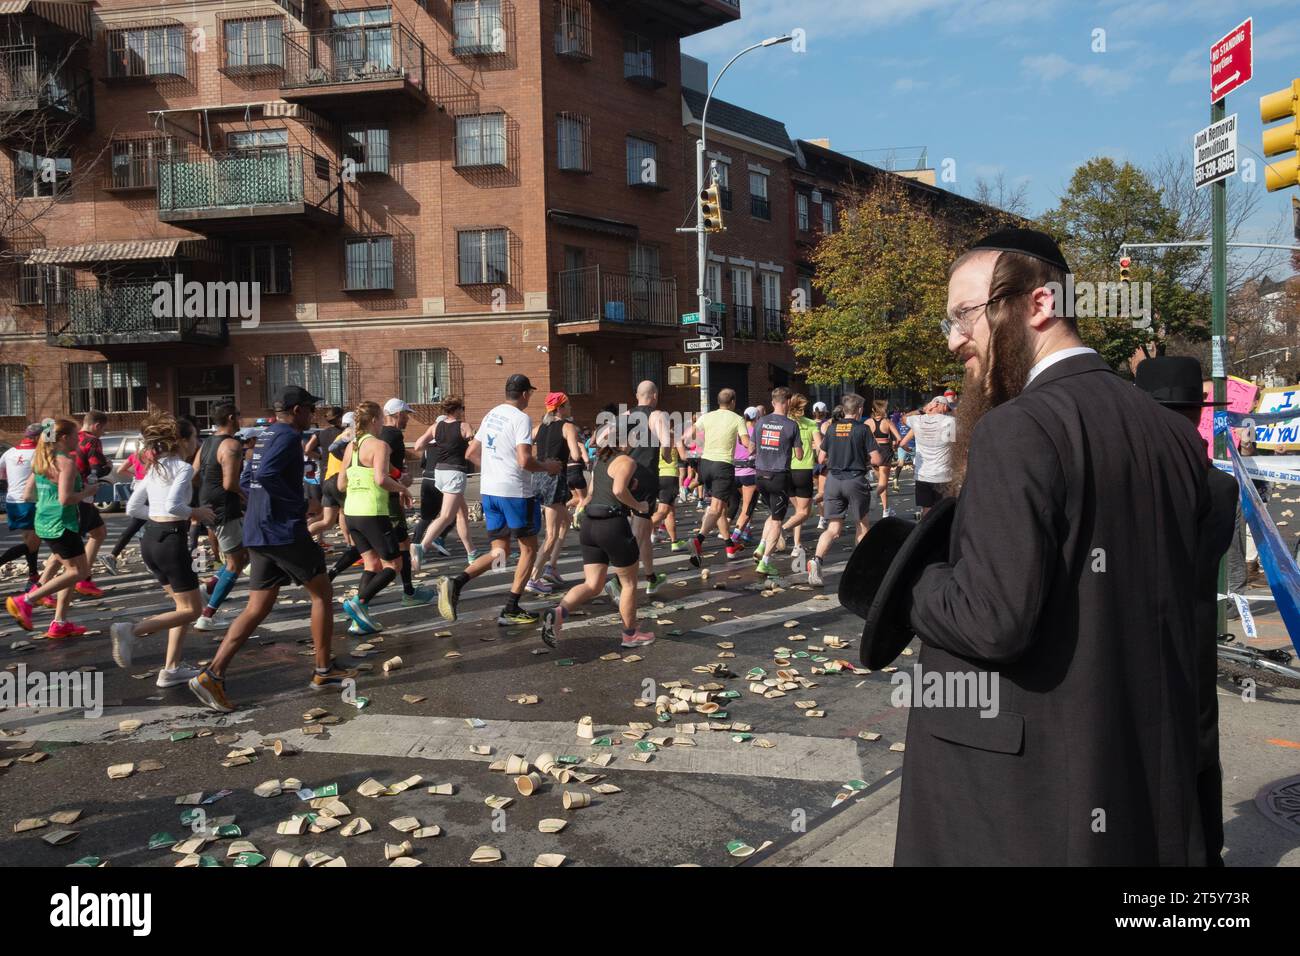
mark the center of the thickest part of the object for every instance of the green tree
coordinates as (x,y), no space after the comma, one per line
(1108,204)
(884,275)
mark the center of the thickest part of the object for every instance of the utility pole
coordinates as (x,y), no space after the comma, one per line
(1219,329)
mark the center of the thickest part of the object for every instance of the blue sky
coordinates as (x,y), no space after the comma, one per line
(1010,86)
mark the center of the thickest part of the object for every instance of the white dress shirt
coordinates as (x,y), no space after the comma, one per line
(1058,356)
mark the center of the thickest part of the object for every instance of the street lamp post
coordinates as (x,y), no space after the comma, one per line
(702,237)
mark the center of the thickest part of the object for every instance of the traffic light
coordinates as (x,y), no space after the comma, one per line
(1124,263)
(1284,104)
(711,209)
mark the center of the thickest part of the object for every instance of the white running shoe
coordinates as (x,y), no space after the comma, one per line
(110,564)
(123,643)
(815,573)
(208,624)
(797,559)
(175,676)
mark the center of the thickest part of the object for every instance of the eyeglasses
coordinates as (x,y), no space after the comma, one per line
(964,319)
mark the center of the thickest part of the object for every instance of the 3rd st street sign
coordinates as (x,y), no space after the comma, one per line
(1231,62)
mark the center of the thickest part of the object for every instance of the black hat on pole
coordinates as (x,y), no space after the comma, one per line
(884,568)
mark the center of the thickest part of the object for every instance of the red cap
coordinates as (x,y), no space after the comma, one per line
(556,399)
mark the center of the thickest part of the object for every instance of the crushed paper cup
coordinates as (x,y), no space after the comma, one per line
(129,726)
(442,789)
(574,801)
(60,837)
(516,765)
(392,664)
(485,854)
(499,802)
(406,862)
(585,729)
(550,860)
(898,748)
(283,858)
(404,824)
(740,849)
(545,762)
(424,833)
(394,851)
(283,749)
(552,825)
(528,784)
(371,788)
(356,827)
(268,788)
(120,771)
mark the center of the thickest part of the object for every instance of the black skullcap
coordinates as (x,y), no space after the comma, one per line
(1027,242)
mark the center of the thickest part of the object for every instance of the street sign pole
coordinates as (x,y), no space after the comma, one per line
(1219,327)
(702,250)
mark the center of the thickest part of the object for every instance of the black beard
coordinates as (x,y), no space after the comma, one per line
(1008,362)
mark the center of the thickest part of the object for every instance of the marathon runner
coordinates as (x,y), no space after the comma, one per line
(849,450)
(219,463)
(776,436)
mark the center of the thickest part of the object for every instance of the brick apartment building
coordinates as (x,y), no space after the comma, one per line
(432,195)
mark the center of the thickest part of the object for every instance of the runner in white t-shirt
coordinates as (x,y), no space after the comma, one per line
(16,469)
(503,450)
(934,433)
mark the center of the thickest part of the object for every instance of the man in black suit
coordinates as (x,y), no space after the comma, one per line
(1080,515)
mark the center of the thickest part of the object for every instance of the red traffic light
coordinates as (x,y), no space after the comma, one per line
(1125,262)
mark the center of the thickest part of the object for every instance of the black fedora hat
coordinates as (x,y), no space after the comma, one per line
(1174,381)
(878,579)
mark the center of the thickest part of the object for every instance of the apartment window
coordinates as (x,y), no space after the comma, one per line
(368,148)
(573,28)
(758,203)
(481,140)
(639,61)
(148,51)
(478,27)
(38,176)
(13,391)
(805,223)
(828,217)
(573,135)
(134,162)
(483,257)
(773,319)
(257,138)
(742,298)
(369,263)
(648,366)
(804,300)
(327,380)
(724,184)
(108,387)
(642,162)
(713,282)
(579,371)
(43,285)
(270,264)
(423,376)
(643,260)
(254,46)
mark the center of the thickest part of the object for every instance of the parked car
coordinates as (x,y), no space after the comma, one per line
(118,446)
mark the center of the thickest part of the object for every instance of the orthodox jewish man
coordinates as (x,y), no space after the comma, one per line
(1064,577)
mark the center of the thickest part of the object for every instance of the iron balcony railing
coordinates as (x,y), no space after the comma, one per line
(245,178)
(124,314)
(774,325)
(593,294)
(480,149)
(742,322)
(32,79)
(476,33)
(354,55)
(759,207)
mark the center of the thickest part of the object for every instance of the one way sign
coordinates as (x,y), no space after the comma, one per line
(703,345)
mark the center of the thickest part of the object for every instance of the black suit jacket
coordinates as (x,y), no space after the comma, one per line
(1071,581)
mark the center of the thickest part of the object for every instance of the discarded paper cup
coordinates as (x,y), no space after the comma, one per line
(516,765)
(528,784)
(572,801)
(395,851)
(281,858)
(284,750)
(545,762)
(392,664)
(562,774)
(585,729)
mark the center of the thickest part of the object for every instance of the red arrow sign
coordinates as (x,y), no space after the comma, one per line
(1232,62)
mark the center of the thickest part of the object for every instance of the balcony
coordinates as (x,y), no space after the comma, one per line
(355,69)
(775,325)
(124,315)
(38,87)
(682,17)
(742,323)
(595,300)
(476,33)
(243,189)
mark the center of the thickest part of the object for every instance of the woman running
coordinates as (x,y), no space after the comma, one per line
(367,480)
(742,497)
(802,467)
(444,446)
(607,541)
(887,437)
(16,470)
(162,499)
(55,486)
(555,439)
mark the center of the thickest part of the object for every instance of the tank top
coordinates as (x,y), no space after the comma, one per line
(603,503)
(742,456)
(668,469)
(364,497)
(647,450)
(804,462)
(225,504)
(52,518)
(449,447)
(880,431)
(550,441)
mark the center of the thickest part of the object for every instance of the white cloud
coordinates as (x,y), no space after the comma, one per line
(906,84)
(1192,67)
(1050,67)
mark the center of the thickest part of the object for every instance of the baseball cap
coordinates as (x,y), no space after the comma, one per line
(751,413)
(294,395)
(819,406)
(553,400)
(518,384)
(940,399)
(395,405)
(349,419)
